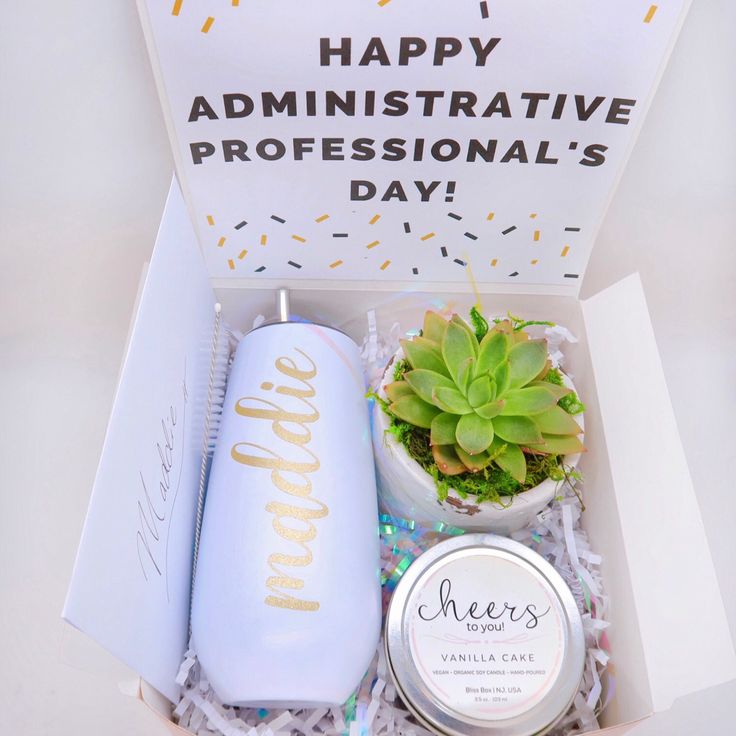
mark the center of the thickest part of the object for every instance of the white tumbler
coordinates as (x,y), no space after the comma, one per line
(287,604)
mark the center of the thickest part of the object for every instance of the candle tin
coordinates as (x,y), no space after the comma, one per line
(484,637)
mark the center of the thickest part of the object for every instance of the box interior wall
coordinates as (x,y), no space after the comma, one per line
(613,326)
(348,310)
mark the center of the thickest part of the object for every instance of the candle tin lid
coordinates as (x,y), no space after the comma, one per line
(484,637)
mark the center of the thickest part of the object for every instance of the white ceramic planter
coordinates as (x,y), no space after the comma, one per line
(407,490)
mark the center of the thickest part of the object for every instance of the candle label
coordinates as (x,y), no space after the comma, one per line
(487,636)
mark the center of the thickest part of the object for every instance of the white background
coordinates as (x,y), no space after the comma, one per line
(85,166)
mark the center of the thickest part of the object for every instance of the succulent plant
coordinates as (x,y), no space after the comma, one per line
(483,402)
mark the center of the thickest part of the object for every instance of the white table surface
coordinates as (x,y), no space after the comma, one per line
(85,166)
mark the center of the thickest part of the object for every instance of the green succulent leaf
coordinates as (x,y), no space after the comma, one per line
(474,434)
(558,445)
(556,420)
(526,360)
(490,410)
(423,353)
(415,411)
(465,375)
(558,391)
(493,350)
(447,460)
(509,458)
(450,399)
(473,463)
(442,431)
(545,370)
(397,389)
(434,327)
(424,383)
(518,430)
(502,377)
(526,401)
(460,322)
(457,347)
(480,391)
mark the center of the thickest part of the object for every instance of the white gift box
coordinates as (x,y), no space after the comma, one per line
(516,235)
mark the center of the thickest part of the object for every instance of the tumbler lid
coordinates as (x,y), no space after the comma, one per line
(284,316)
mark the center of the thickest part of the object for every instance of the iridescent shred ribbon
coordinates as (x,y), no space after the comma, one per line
(402,541)
(558,536)
(375,709)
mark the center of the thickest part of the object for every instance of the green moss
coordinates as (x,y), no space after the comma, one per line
(401,367)
(490,484)
(480,324)
(520,323)
(570,403)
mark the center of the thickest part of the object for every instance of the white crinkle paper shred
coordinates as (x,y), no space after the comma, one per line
(375,709)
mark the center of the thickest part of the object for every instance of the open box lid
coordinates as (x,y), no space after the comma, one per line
(404,142)
(676,613)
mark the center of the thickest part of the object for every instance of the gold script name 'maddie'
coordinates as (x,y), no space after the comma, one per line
(293,428)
